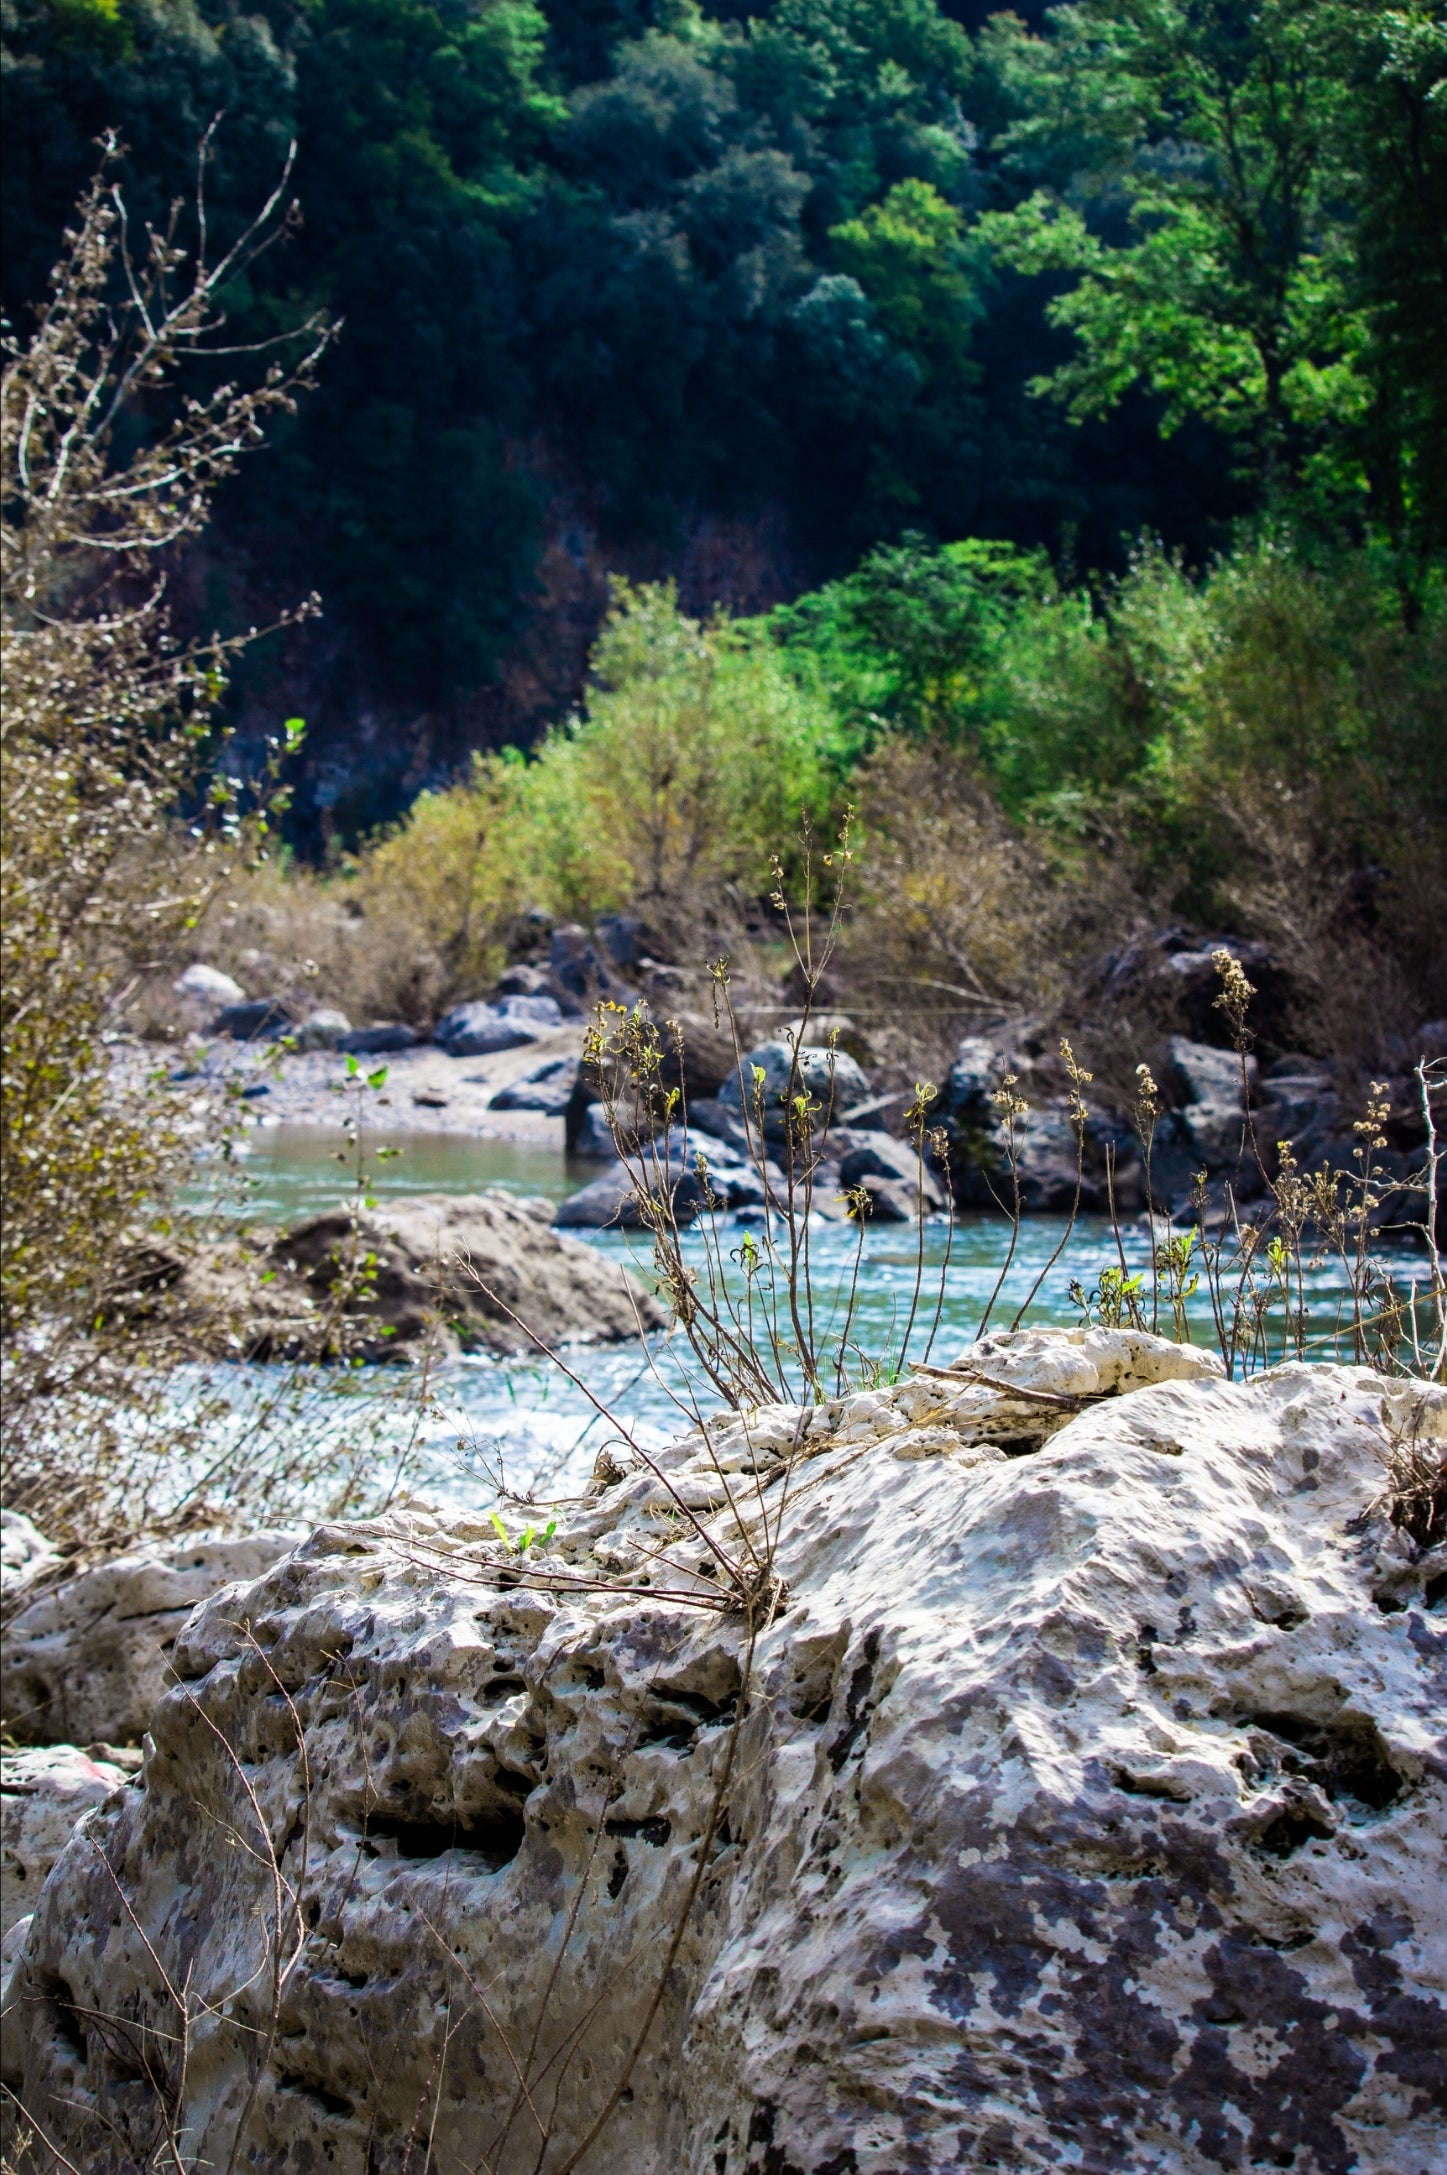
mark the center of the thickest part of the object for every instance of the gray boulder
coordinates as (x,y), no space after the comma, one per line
(1214,1112)
(479,1029)
(1301,1105)
(579,968)
(521,981)
(876,1155)
(979,1068)
(610,1202)
(88,1660)
(547,1088)
(620,936)
(592,1134)
(377,1040)
(1081,1806)
(830,1077)
(322,1029)
(703,1172)
(268,1017)
(25,1554)
(432,1257)
(202,991)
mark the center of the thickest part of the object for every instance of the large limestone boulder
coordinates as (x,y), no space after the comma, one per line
(87,1661)
(1076,1801)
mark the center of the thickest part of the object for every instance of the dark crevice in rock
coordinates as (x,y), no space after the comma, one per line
(1434,1593)
(856,1712)
(1345,1759)
(330,2103)
(494,1837)
(501,1688)
(1156,1786)
(1294,1826)
(678,1717)
(56,1991)
(655,1831)
(512,1784)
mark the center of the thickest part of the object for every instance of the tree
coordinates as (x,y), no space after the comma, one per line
(1206,232)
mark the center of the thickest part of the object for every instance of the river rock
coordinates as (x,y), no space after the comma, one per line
(479,1029)
(579,969)
(322,1029)
(875,1155)
(702,1170)
(88,1660)
(43,1792)
(377,1040)
(428,1256)
(548,1088)
(621,938)
(201,992)
(521,980)
(975,1078)
(1214,1112)
(610,1202)
(831,1078)
(592,1134)
(255,1019)
(1080,1801)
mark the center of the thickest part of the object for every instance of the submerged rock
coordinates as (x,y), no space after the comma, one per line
(1080,1804)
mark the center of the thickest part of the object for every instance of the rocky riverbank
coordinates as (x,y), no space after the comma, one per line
(510,1066)
(1071,1794)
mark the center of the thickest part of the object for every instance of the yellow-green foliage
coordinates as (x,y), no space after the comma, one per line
(454,873)
(692,760)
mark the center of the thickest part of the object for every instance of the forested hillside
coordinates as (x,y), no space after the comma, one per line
(738,297)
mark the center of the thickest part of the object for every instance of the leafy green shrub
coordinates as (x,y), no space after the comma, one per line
(697,750)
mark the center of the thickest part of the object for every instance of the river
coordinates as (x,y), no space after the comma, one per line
(522,1427)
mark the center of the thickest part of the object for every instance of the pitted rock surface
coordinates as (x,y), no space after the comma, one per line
(43,1792)
(88,1660)
(1087,1810)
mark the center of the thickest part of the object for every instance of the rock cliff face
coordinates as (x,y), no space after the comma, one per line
(1081,1806)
